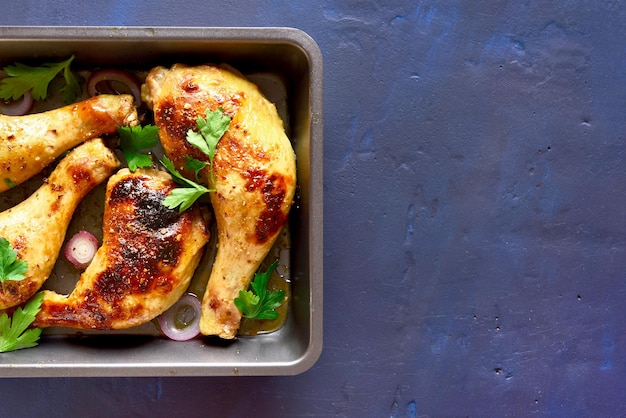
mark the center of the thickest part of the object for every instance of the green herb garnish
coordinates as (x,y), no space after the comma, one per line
(210,131)
(14,334)
(10,267)
(195,165)
(10,183)
(182,197)
(259,302)
(22,78)
(135,139)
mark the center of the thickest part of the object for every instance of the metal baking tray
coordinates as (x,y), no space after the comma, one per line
(287,65)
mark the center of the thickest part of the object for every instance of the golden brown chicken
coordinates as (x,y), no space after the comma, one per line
(29,143)
(146,261)
(36,227)
(254,169)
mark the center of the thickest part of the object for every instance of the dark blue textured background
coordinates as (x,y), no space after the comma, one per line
(475,218)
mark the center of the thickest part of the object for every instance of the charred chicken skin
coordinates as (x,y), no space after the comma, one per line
(146,261)
(29,143)
(254,168)
(36,227)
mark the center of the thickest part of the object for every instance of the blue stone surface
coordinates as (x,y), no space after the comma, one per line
(475,213)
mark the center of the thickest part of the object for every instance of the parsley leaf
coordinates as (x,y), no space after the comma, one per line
(195,165)
(135,139)
(210,131)
(14,334)
(72,89)
(10,267)
(260,303)
(182,196)
(10,183)
(22,78)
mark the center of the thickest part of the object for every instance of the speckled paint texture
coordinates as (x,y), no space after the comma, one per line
(475,217)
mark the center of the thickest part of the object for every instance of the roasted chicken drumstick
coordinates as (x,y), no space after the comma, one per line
(254,169)
(146,261)
(29,143)
(36,227)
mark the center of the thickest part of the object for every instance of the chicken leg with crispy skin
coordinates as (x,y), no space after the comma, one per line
(36,227)
(254,169)
(29,143)
(147,259)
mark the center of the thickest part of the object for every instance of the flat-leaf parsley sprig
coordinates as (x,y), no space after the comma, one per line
(135,139)
(182,197)
(14,332)
(259,302)
(22,78)
(210,131)
(195,165)
(10,267)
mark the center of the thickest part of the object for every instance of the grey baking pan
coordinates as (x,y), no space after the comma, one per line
(287,65)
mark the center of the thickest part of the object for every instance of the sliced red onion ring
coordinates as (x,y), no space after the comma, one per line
(181,322)
(81,248)
(17,107)
(104,82)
